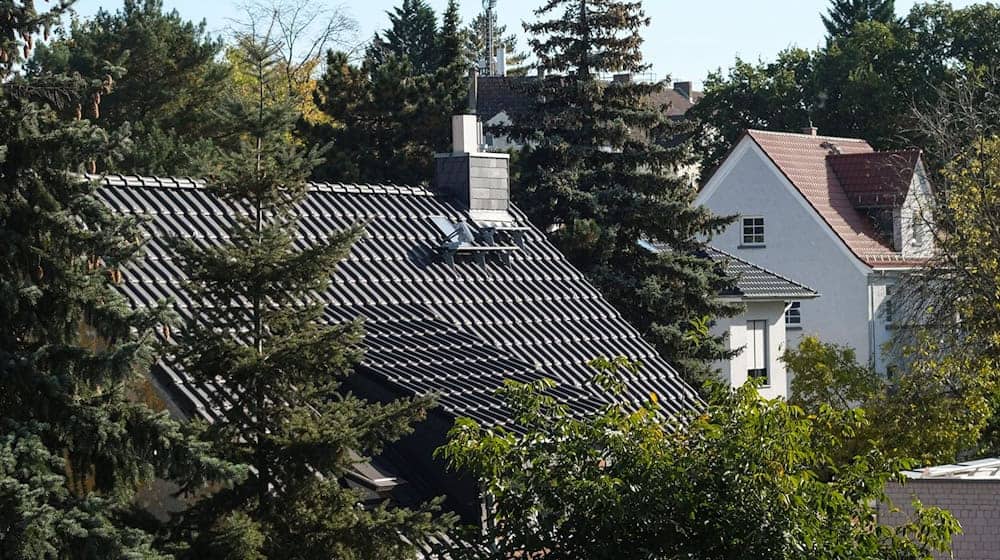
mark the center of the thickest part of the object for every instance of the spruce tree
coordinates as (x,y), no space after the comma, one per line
(74,445)
(594,175)
(451,40)
(412,35)
(387,117)
(843,15)
(259,332)
(171,85)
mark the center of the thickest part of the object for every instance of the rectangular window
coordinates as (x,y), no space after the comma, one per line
(793,315)
(917,230)
(756,350)
(753,231)
(889,306)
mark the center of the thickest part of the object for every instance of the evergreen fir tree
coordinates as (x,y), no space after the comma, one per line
(171,85)
(478,37)
(260,332)
(594,176)
(412,36)
(843,15)
(74,447)
(387,118)
(451,39)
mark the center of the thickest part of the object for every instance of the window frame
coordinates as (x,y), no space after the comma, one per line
(795,306)
(751,347)
(751,222)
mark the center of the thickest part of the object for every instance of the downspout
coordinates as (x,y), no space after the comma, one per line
(871,320)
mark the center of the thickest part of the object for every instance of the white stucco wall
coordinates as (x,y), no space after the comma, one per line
(916,212)
(798,244)
(734,371)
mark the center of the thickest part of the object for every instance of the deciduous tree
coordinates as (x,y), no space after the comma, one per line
(741,479)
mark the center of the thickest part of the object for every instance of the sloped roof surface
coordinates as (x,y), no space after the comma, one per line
(876,179)
(752,281)
(453,330)
(802,158)
(495,94)
(512,94)
(757,282)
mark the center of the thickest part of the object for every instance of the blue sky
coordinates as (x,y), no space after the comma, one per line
(686,40)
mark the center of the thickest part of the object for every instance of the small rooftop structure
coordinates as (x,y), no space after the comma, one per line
(982,469)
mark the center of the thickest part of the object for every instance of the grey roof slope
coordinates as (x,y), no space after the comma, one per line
(453,330)
(752,281)
(757,282)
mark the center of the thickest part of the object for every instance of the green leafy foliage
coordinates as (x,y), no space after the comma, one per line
(75,447)
(743,478)
(935,409)
(260,332)
(171,84)
(593,175)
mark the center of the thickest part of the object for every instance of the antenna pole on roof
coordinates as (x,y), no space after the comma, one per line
(490,6)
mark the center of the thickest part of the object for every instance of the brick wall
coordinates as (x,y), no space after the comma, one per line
(975,503)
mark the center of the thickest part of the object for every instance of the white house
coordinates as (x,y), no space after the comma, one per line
(758,334)
(835,215)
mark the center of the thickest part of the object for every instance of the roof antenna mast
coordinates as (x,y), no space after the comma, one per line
(491,7)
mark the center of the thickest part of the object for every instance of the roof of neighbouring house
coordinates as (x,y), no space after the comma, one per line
(511,94)
(840,176)
(983,469)
(455,330)
(755,282)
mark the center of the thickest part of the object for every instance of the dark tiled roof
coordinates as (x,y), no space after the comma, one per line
(877,179)
(495,94)
(454,330)
(806,161)
(752,281)
(756,282)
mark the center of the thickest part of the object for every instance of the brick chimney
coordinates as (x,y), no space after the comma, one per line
(480,180)
(810,130)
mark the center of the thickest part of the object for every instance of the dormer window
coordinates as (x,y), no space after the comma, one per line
(753,231)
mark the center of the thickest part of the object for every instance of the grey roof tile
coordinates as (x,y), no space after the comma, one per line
(455,330)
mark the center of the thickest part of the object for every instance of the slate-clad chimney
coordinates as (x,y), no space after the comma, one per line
(684,89)
(478,179)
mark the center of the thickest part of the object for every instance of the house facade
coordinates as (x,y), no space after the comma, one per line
(758,335)
(833,214)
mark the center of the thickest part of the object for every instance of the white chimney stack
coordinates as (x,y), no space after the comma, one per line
(464,134)
(480,180)
(501,61)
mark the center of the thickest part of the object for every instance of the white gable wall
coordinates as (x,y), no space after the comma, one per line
(916,214)
(798,244)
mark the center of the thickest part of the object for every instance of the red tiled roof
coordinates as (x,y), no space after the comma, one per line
(875,180)
(804,160)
